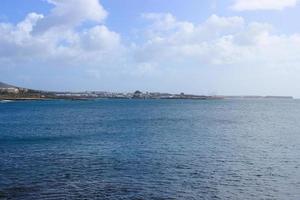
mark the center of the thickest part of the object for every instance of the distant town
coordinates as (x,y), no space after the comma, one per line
(9,92)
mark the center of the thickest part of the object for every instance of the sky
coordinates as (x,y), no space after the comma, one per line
(210,47)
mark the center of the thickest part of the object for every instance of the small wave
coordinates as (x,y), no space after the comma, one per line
(6,101)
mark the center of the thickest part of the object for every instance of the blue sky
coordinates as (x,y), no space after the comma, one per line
(230,47)
(124,15)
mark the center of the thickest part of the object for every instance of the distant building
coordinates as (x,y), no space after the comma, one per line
(137,95)
(10,90)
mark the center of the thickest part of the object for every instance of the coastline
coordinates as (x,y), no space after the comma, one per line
(13,93)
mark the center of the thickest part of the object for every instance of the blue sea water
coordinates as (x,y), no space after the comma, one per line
(150,149)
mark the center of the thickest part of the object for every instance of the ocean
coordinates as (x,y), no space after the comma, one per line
(150,149)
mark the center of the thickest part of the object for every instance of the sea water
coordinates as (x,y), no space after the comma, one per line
(150,149)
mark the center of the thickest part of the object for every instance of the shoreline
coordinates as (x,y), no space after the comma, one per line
(115,98)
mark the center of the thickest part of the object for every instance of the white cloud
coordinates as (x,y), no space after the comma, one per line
(185,40)
(241,5)
(55,36)
(99,38)
(69,13)
(16,40)
(219,40)
(30,21)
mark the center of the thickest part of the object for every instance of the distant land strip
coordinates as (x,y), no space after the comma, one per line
(10,92)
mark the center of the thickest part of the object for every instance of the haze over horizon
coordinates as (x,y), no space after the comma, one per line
(231,47)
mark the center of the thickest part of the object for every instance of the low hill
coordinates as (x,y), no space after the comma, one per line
(4,85)
(10,92)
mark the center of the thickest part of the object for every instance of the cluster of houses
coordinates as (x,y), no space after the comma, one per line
(10,90)
(135,95)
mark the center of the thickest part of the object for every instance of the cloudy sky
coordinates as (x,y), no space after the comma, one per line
(222,47)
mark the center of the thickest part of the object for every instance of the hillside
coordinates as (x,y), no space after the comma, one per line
(10,92)
(4,85)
